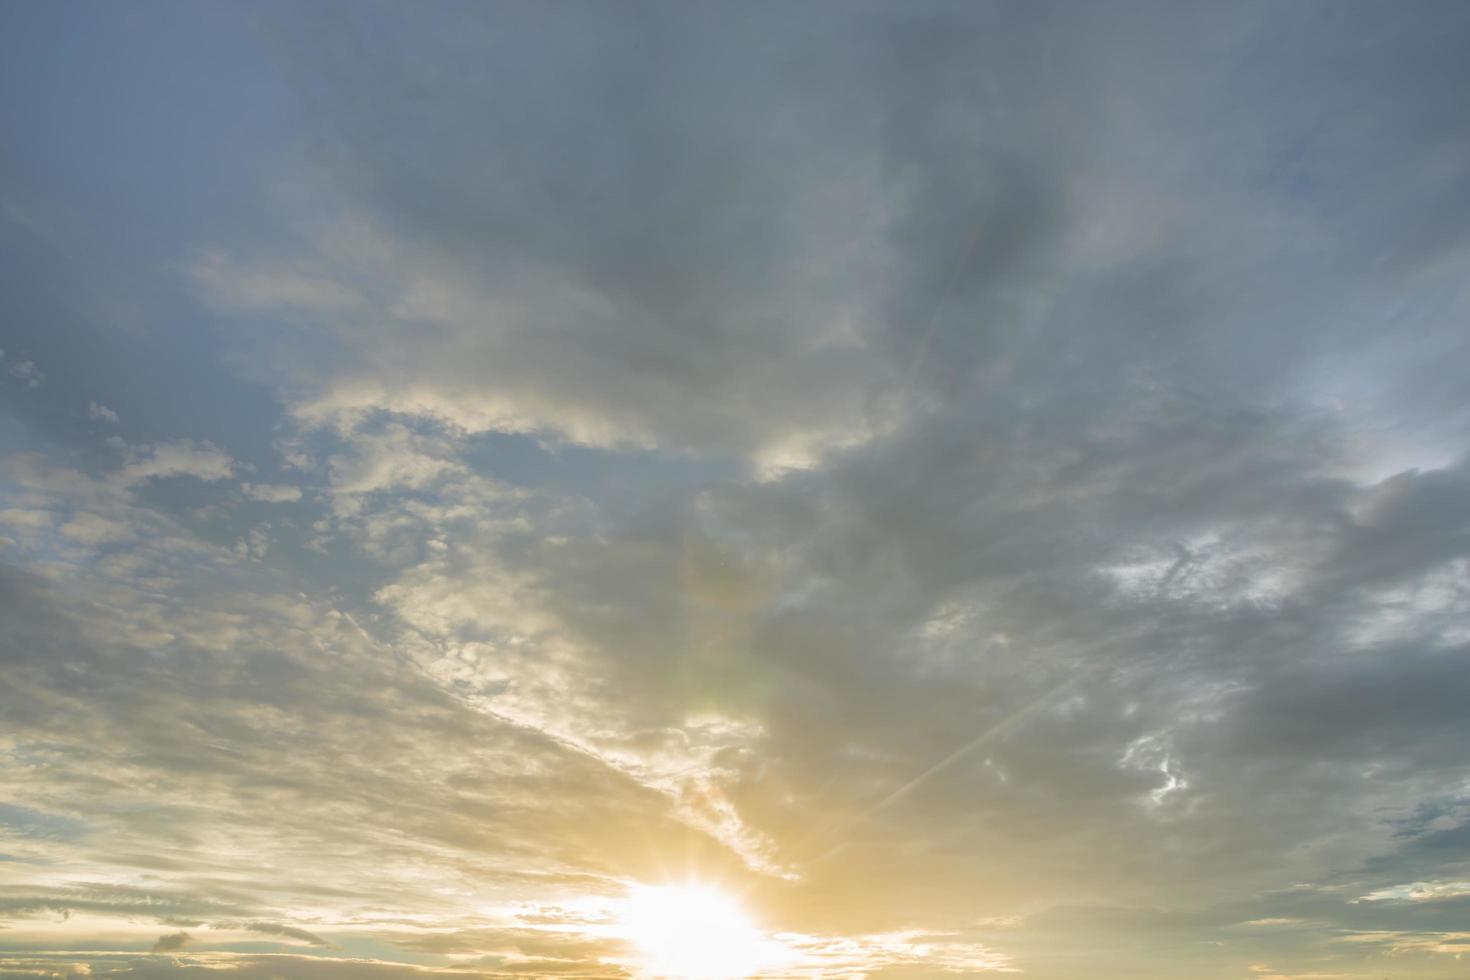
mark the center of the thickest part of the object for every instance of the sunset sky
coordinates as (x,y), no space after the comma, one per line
(715,490)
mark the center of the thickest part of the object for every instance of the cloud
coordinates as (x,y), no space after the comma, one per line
(1420,891)
(273,966)
(988,486)
(181,457)
(101,413)
(272,493)
(276,929)
(172,942)
(271,287)
(92,530)
(23,371)
(27,373)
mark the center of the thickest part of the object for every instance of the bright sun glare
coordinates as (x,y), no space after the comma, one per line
(693,932)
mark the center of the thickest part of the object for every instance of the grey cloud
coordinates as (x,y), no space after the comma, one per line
(541,945)
(167,906)
(172,942)
(272,748)
(907,618)
(271,493)
(276,929)
(569,287)
(591,243)
(249,967)
(1106,565)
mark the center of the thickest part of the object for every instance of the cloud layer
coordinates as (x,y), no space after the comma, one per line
(985,485)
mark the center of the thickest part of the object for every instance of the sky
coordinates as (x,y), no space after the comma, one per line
(706,490)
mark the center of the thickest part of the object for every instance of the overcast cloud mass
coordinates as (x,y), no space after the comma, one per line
(982,487)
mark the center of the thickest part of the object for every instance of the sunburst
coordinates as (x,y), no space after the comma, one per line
(694,932)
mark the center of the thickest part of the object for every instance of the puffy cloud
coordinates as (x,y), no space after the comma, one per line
(182,457)
(22,370)
(172,942)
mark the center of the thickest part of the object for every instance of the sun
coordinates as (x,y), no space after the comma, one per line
(693,932)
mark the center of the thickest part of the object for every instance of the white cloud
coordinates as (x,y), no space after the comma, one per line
(272,493)
(1420,891)
(101,413)
(24,371)
(182,457)
(92,530)
(1436,604)
(29,519)
(1220,568)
